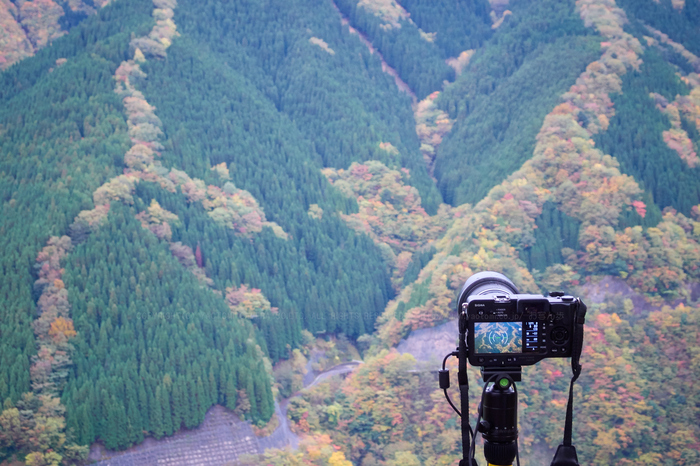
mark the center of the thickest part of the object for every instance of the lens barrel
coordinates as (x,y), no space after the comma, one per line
(486,283)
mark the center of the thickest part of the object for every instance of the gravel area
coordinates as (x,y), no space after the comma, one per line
(220,440)
(430,345)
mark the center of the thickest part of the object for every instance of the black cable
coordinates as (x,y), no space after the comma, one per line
(444,361)
(472,447)
(453,406)
(447,396)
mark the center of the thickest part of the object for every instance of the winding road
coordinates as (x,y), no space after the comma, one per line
(281,408)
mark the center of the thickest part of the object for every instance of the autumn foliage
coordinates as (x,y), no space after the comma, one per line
(15,45)
(247,303)
(61,330)
(381,414)
(565,169)
(390,211)
(157,220)
(36,426)
(28,26)
(432,123)
(677,138)
(630,412)
(637,401)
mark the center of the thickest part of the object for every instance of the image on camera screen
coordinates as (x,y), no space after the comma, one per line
(498,337)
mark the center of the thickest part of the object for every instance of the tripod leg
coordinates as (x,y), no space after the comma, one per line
(565,456)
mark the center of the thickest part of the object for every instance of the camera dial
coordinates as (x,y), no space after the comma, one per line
(560,335)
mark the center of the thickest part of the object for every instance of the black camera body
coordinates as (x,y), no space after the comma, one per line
(507,330)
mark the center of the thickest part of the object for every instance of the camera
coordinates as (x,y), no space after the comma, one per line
(509,329)
(502,330)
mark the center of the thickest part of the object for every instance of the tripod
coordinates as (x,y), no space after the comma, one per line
(498,411)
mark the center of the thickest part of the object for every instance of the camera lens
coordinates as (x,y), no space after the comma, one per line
(486,283)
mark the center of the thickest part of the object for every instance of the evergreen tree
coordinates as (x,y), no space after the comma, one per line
(635,139)
(157,426)
(501,98)
(168,427)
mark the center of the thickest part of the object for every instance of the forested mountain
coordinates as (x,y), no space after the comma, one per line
(28,26)
(189,188)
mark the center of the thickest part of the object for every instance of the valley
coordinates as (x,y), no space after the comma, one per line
(211,212)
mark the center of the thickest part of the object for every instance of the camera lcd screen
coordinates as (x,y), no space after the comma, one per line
(498,337)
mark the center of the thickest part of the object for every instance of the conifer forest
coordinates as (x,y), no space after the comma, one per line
(206,204)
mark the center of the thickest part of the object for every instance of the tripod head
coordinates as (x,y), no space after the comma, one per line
(499,419)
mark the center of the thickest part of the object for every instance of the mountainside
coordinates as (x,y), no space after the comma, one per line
(192,191)
(28,26)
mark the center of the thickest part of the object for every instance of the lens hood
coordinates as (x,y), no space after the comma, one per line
(486,283)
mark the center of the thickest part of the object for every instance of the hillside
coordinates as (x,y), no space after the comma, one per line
(193,191)
(29,26)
